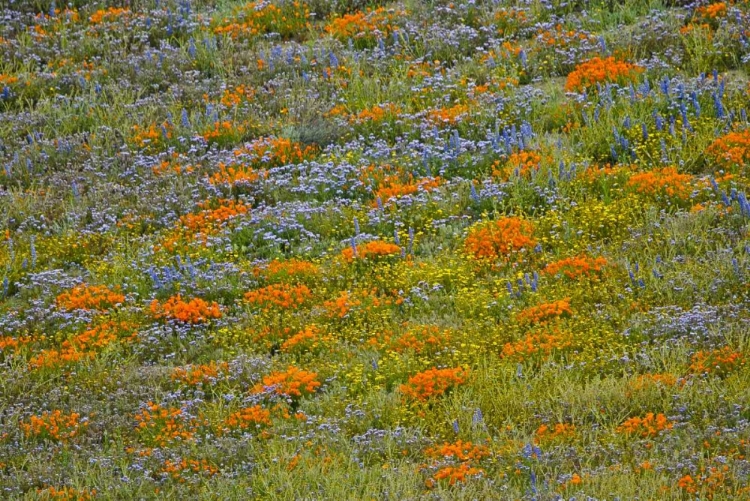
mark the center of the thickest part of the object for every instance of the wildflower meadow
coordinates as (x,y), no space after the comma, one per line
(375,250)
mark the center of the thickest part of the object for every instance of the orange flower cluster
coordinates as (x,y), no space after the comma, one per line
(249,417)
(712,11)
(499,239)
(362,27)
(544,312)
(257,18)
(560,431)
(309,338)
(177,469)
(235,174)
(208,219)
(283,296)
(576,267)
(376,113)
(448,116)
(559,37)
(13,343)
(108,15)
(687,484)
(371,250)
(152,136)
(598,70)
(533,343)
(521,163)
(7,79)
(392,187)
(509,20)
(462,451)
(466,453)
(194,311)
(167,166)
(648,426)
(704,28)
(650,380)
(279,270)
(159,426)
(81,347)
(433,383)
(382,173)
(293,382)
(710,483)
(455,474)
(66,494)
(276,151)
(732,149)
(225,131)
(342,305)
(234,97)
(597,172)
(666,181)
(54,426)
(719,362)
(419,339)
(364,300)
(89,297)
(195,375)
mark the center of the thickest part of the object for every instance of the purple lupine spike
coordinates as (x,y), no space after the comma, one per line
(477,419)
(474,194)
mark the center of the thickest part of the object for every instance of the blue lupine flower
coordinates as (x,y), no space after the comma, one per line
(474,194)
(477,419)
(664,85)
(718,106)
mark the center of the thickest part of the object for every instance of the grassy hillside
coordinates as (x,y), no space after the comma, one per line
(349,249)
